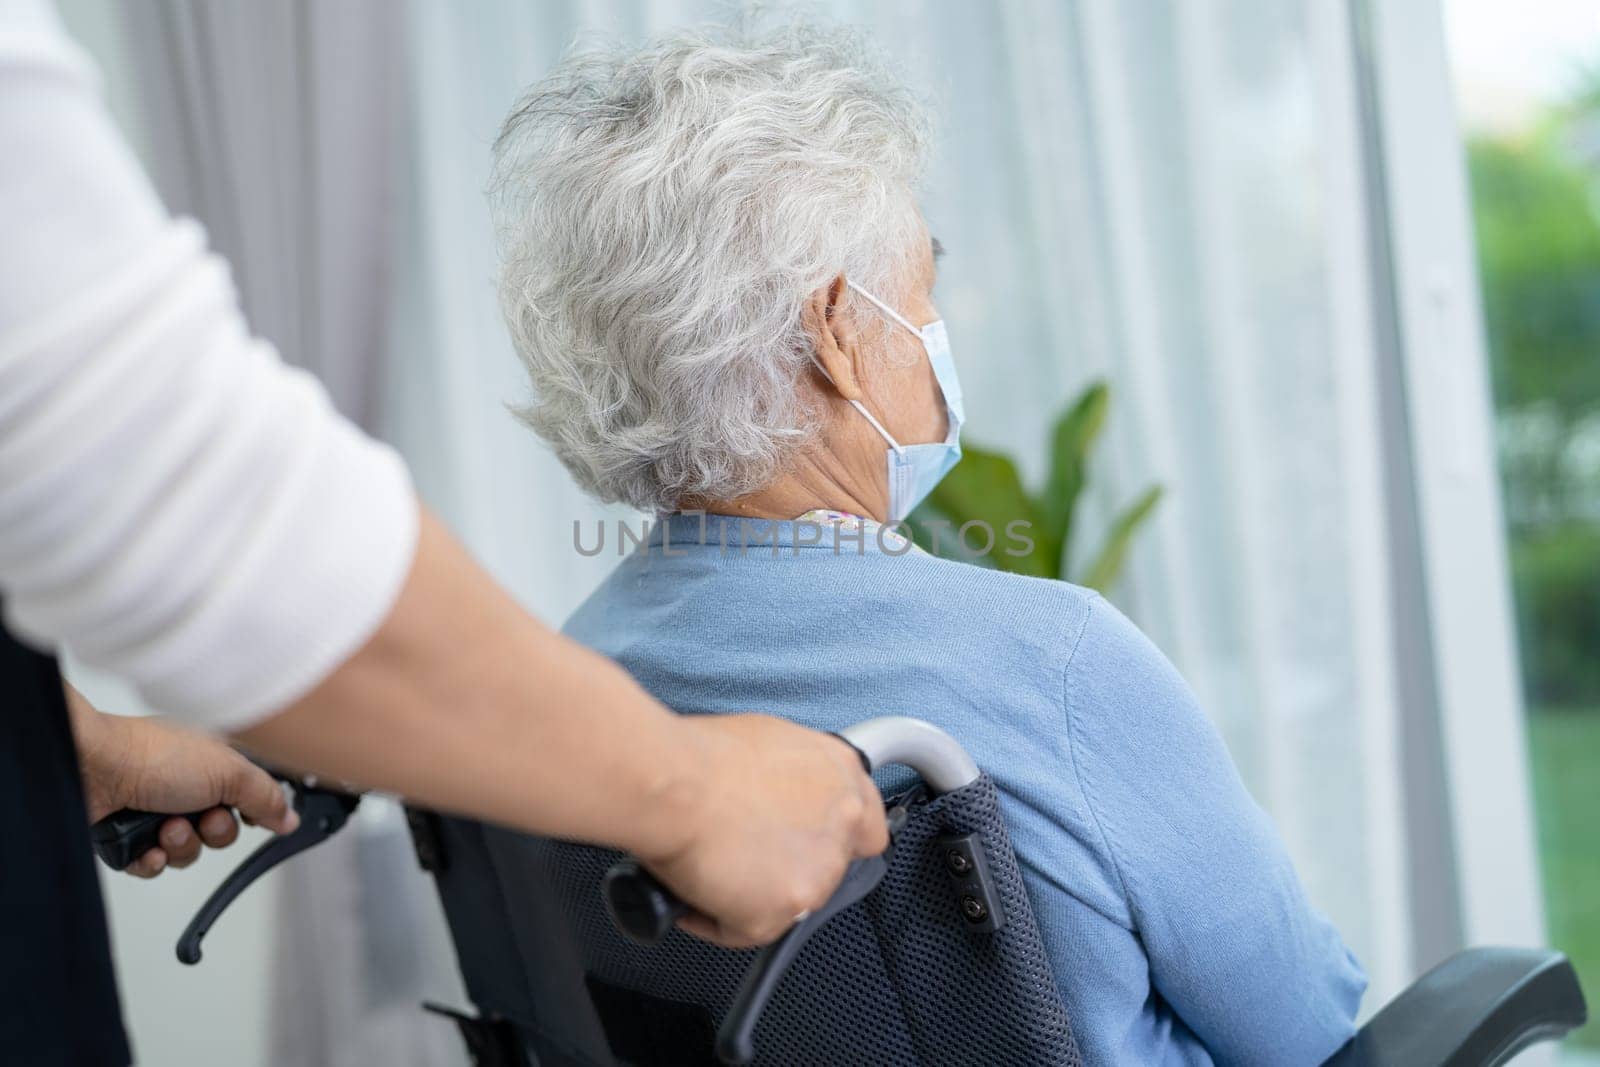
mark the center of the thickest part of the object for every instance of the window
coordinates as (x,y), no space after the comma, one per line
(1527,85)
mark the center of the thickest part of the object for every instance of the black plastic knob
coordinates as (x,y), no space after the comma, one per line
(642,907)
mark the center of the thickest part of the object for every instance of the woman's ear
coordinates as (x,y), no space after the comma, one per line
(834,338)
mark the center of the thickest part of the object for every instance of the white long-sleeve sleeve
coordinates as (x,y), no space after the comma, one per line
(177,506)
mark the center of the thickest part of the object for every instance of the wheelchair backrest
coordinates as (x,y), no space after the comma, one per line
(913,974)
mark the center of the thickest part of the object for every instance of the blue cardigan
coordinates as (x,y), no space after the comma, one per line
(1176,926)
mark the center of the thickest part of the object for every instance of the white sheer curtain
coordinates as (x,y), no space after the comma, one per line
(1225,146)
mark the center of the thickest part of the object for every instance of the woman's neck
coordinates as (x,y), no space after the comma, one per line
(819,479)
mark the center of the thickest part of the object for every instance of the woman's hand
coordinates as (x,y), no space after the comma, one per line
(152,765)
(769,815)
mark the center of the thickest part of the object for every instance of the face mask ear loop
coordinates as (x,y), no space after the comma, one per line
(876,425)
(885,308)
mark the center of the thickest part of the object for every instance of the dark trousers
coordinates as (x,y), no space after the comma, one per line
(58,995)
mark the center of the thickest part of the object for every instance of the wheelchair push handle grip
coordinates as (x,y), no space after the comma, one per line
(939,760)
(646,911)
(123,836)
(642,908)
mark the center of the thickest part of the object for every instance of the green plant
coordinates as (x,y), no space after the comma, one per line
(1536,217)
(1557,577)
(986,488)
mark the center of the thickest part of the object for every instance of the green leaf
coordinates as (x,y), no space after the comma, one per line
(985,487)
(1070,443)
(923,520)
(1107,567)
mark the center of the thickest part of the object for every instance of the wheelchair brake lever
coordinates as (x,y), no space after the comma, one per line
(124,836)
(645,910)
(736,1042)
(323,812)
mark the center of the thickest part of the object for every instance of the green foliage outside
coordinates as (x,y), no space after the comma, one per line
(1564,747)
(1556,573)
(1539,251)
(1538,231)
(986,487)
(1536,211)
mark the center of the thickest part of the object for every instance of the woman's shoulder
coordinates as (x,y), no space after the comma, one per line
(1038,615)
(1103,670)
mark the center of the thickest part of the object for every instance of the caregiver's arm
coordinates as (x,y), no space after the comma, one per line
(179,508)
(750,817)
(1234,946)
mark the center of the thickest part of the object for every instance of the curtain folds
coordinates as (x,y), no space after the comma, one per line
(278,127)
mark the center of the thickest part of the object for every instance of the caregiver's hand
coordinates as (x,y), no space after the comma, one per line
(152,765)
(774,814)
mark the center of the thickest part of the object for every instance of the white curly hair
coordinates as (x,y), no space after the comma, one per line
(665,213)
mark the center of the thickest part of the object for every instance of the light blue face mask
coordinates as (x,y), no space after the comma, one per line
(915,469)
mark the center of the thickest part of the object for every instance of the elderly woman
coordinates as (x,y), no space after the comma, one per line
(722,287)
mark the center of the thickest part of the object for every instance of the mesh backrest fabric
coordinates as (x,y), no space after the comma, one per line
(970,997)
(898,979)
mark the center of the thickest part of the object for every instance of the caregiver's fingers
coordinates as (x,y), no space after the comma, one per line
(218,828)
(258,796)
(872,835)
(180,842)
(152,863)
(701,927)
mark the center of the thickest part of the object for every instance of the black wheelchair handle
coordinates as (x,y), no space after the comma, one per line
(639,904)
(124,836)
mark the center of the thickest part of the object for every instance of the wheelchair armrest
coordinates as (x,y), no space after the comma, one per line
(1476,1009)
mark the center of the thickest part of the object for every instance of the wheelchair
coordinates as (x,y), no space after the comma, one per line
(927,955)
